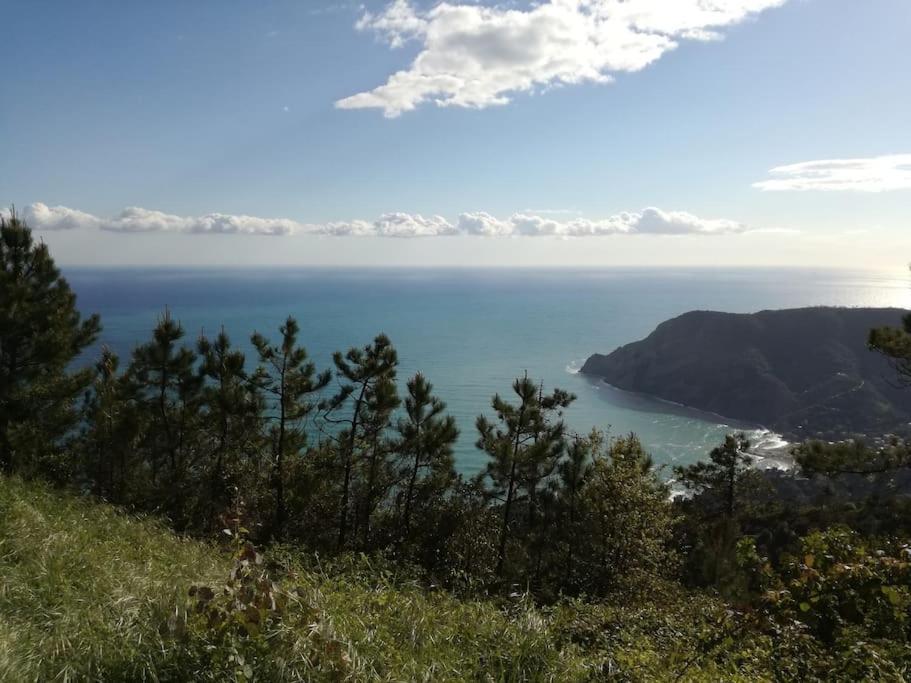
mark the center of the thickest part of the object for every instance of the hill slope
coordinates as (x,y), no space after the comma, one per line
(803,372)
(88,593)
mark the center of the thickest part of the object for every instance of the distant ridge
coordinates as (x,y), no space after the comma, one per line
(804,372)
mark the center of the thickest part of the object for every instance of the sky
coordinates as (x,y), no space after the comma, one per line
(467,132)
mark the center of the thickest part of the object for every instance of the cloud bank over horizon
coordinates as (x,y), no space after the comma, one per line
(885,173)
(649,221)
(476,56)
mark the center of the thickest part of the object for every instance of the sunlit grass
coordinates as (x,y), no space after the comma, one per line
(90,593)
(85,588)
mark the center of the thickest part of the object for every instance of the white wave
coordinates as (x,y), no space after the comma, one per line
(770,450)
(574,367)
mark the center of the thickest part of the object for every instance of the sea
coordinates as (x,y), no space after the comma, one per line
(473,331)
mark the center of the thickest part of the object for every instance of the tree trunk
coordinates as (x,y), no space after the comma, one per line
(349,455)
(406,527)
(504,529)
(6,449)
(343,514)
(507,507)
(216,488)
(278,473)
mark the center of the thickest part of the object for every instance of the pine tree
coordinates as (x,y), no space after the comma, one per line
(724,475)
(724,489)
(111,428)
(528,441)
(167,388)
(378,473)
(537,481)
(573,471)
(290,383)
(232,407)
(361,411)
(426,438)
(41,334)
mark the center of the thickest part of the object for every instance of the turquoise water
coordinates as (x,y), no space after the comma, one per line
(472,331)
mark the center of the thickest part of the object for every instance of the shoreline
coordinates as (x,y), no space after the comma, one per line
(770,449)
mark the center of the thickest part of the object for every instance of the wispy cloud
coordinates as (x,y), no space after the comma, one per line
(474,55)
(873,174)
(649,221)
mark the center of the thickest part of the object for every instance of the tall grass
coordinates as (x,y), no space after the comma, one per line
(90,593)
(85,590)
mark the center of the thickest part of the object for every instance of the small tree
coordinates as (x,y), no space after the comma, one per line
(290,382)
(232,406)
(724,475)
(426,438)
(110,432)
(626,520)
(377,474)
(41,334)
(527,438)
(361,409)
(163,380)
(723,490)
(573,472)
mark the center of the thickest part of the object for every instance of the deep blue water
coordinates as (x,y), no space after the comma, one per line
(473,331)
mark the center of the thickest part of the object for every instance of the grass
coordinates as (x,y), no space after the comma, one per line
(84,589)
(89,593)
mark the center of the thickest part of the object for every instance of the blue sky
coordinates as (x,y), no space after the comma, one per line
(185,110)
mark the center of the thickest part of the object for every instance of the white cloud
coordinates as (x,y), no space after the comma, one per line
(483,225)
(43,217)
(344,229)
(649,221)
(477,56)
(658,222)
(135,219)
(387,225)
(874,174)
(413,225)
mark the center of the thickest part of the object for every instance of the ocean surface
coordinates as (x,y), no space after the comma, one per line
(471,332)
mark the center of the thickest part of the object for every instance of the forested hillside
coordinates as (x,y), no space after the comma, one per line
(804,372)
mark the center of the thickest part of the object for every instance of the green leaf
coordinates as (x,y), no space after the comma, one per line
(892,594)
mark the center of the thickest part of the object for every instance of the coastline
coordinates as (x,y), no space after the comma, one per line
(770,449)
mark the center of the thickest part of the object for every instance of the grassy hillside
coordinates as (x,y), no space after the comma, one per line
(88,593)
(84,589)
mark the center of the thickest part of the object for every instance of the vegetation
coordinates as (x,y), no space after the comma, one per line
(41,332)
(89,593)
(895,344)
(206,521)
